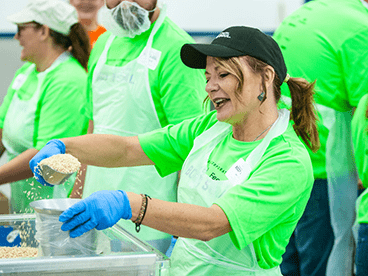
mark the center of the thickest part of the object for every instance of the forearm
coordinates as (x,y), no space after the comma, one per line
(77,191)
(106,150)
(180,219)
(2,148)
(18,168)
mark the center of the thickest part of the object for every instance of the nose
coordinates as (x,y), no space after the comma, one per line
(16,36)
(212,86)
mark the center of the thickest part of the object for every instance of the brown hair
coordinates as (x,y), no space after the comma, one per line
(77,41)
(302,110)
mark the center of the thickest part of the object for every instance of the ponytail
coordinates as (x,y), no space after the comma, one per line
(81,47)
(303,112)
(77,41)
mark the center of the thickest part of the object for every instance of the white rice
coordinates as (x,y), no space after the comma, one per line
(65,163)
(17,252)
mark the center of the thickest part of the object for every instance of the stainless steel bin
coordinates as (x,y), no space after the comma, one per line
(121,253)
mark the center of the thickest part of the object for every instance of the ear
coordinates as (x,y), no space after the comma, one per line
(269,76)
(45,32)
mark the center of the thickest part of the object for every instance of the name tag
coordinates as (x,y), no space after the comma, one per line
(238,172)
(150,58)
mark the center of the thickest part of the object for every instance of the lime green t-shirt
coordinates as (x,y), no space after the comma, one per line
(263,210)
(359,129)
(61,106)
(334,54)
(178,91)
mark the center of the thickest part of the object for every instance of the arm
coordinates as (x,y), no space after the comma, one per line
(17,168)
(77,191)
(103,209)
(107,150)
(2,148)
(180,219)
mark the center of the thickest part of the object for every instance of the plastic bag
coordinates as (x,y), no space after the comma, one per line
(55,242)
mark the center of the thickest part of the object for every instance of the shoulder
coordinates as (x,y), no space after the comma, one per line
(195,126)
(69,72)
(171,36)
(98,48)
(289,152)
(288,160)
(23,68)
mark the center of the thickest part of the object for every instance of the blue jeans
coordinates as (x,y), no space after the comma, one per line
(311,243)
(361,256)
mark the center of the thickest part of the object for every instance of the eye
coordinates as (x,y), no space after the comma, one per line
(224,75)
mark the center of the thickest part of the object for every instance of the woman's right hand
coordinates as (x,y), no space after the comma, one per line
(52,147)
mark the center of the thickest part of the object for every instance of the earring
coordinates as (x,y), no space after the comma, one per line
(261,96)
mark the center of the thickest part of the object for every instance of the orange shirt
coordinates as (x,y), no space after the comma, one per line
(93,35)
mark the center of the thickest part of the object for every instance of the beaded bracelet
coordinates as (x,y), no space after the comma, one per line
(142,212)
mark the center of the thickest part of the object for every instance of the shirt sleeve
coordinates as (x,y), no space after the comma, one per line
(354,59)
(181,90)
(62,107)
(270,197)
(168,147)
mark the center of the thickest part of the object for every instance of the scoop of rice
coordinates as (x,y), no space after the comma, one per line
(65,163)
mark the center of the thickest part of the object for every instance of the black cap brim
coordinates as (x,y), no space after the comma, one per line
(195,55)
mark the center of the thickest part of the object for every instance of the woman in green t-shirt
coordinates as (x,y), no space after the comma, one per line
(245,175)
(46,97)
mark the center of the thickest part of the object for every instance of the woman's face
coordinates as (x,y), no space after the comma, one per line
(87,8)
(232,107)
(28,37)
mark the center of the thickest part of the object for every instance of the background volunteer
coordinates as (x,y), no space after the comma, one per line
(360,141)
(47,96)
(88,17)
(326,41)
(136,84)
(245,175)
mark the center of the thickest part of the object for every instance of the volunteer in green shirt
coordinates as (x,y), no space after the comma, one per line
(326,41)
(245,175)
(47,96)
(137,83)
(359,128)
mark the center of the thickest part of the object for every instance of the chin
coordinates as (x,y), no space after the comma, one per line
(223,118)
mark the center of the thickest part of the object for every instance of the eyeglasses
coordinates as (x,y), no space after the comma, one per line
(22,26)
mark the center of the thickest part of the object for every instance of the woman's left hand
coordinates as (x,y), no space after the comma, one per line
(101,209)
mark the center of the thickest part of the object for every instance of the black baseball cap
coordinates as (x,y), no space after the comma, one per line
(233,42)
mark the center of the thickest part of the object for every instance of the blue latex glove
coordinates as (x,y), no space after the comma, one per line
(52,147)
(171,247)
(101,209)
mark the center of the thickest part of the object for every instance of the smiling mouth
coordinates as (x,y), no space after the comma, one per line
(220,102)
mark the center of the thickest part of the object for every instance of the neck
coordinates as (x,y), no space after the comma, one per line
(255,126)
(153,16)
(48,58)
(89,24)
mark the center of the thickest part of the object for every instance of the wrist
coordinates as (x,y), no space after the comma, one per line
(60,145)
(135,204)
(142,212)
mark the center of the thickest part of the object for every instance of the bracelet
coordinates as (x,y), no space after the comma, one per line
(142,212)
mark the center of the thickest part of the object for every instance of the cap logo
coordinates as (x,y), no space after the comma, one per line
(224,34)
